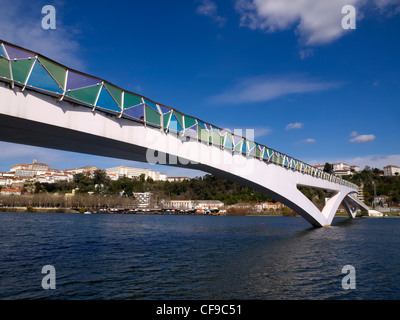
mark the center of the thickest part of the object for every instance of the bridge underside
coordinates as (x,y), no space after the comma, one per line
(38,120)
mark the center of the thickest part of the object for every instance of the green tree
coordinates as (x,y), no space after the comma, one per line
(328,168)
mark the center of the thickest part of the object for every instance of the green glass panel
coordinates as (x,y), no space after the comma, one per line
(56,71)
(115,92)
(203,134)
(167,117)
(189,122)
(152,116)
(179,117)
(258,152)
(5,68)
(131,100)
(238,147)
(87,95)
(251,145)
(21,69)
(216,138)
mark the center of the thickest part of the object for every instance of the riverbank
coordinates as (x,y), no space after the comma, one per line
(39,210)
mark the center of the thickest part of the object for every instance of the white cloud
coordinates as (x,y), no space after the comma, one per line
(21,24)
(261,88)
(309,140)
(296,125)
(209,9)
(315,22)
(390,7)
(362,138)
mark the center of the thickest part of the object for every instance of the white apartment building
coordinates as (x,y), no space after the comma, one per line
(341,169)
(391,170)
(132,172)
(193,204)
(177,179)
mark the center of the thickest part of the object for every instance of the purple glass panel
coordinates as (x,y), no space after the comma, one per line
(223,132)
(15,53)
(77,81)
(165,110)
(192,131)
(136,112)
(237,139)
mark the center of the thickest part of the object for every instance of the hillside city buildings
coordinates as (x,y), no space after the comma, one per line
(15,180)
(342,169)
(22,173)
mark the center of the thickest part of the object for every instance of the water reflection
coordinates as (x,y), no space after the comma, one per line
(187,257)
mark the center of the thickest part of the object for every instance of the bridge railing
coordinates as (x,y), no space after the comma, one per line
(29,70)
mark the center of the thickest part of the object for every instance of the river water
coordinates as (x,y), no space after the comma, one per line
(155,257)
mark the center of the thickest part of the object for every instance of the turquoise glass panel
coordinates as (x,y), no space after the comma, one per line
(41,79)
(174,124)
(2,52)
(105,101)
(228,142)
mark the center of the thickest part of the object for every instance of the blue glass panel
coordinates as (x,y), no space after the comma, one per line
(244,147)
(15,53)
(216,130)
(174,124)
(40,78)
(228,142)
(77,81)
(105,101)
(201,123)
(151,104)
(136,112)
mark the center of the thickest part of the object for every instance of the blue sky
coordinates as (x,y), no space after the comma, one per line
(285,68)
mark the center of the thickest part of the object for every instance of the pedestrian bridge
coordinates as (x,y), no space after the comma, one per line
(45,104)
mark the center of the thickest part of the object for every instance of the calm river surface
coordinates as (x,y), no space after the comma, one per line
(196,257)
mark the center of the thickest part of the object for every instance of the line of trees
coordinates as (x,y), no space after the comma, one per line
(48,200)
